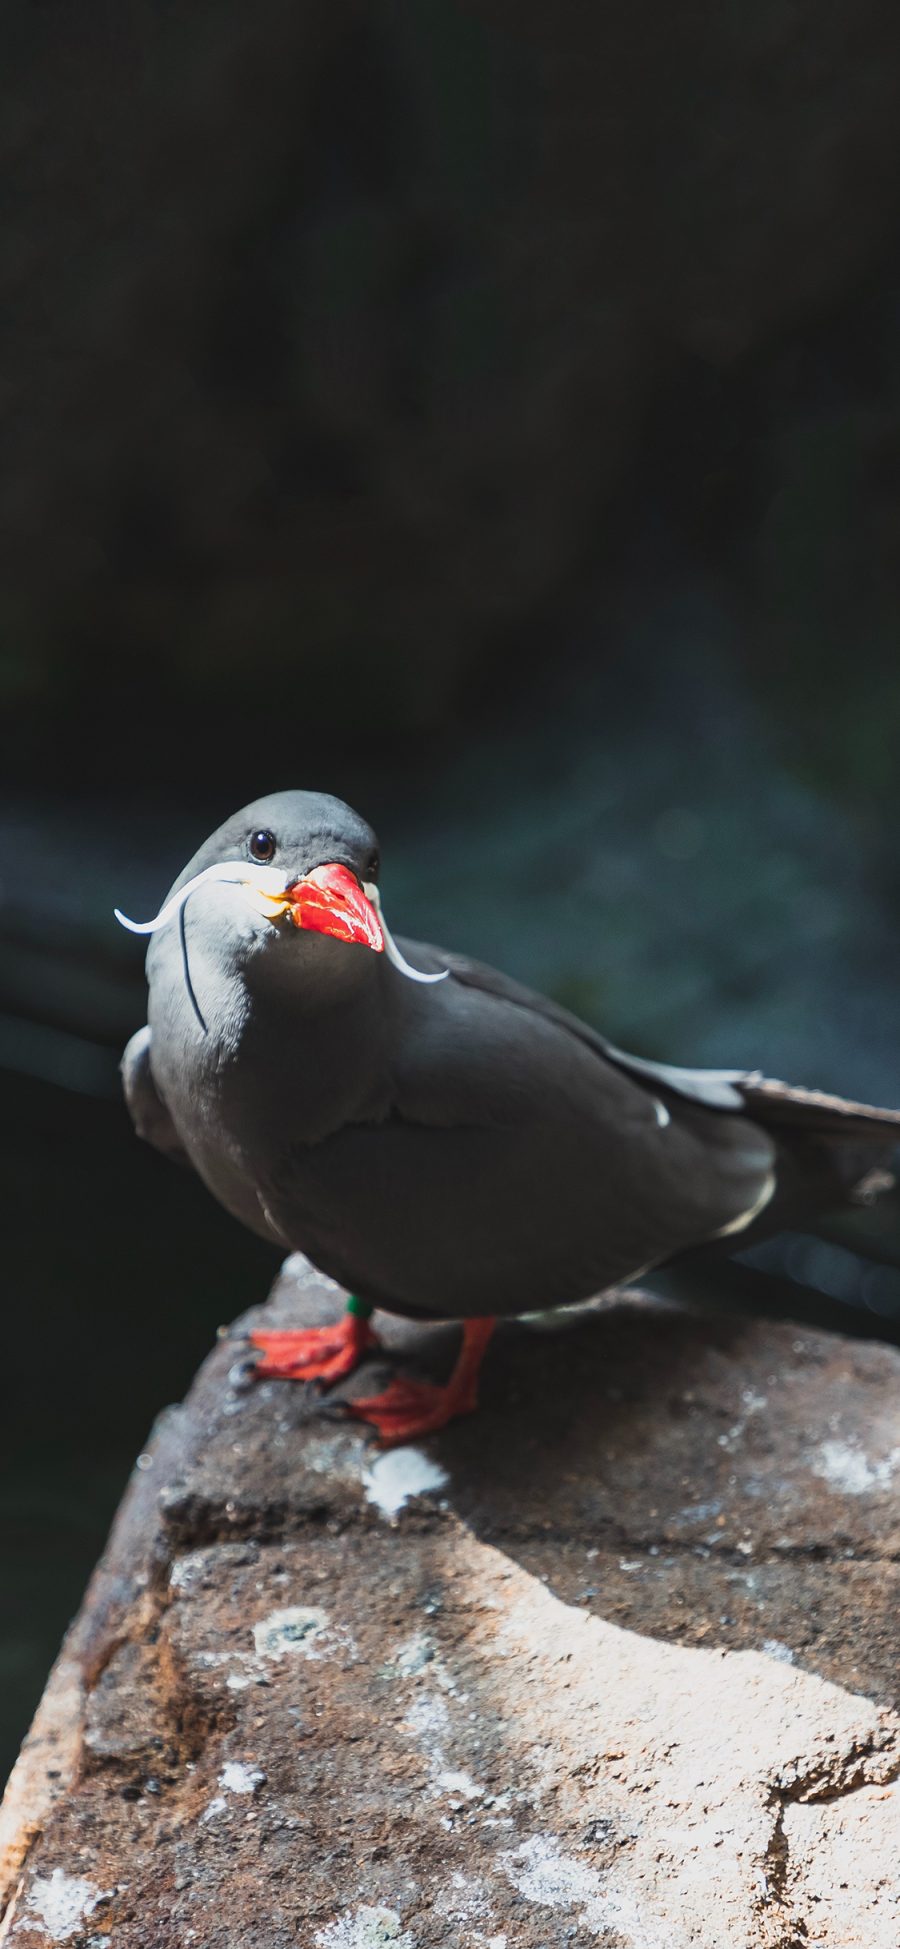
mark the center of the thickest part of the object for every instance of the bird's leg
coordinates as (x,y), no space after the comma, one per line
(318,1353)
(408,1408)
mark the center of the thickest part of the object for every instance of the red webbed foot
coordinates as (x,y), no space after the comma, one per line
(317,1353)
(407,1408)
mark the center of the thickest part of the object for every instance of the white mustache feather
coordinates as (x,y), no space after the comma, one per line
(390,946)
(265,884)
(265,880)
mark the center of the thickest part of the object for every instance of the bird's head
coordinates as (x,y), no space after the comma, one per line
(290,861)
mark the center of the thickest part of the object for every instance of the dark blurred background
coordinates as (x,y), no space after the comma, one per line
(488,412)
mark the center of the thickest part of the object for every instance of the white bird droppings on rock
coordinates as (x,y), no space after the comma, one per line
(237,1778)
(62,1902)
(399,1474)
(459,1783)
(369,1928)
(187,1569)
(850,1470)
(289,1632)
(540,1871)
(215,1808)
(774,1648)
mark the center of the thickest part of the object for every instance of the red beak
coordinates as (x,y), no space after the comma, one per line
(330,900)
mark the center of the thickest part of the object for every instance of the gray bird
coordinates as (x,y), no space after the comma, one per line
(438,1139)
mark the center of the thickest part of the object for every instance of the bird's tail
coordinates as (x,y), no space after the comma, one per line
(728,1287)
(782,1106)
(832,1154)
(835,1186)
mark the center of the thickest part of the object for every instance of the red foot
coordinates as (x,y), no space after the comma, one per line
(319,1353)
(408,1408)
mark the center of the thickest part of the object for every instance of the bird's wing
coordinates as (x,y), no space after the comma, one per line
(515,1164)
(771,1102)
(149,1114)
(716,1089)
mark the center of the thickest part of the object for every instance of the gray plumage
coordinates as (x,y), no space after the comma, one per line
(456,1150)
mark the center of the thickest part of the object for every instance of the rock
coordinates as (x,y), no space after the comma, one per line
(614,1662)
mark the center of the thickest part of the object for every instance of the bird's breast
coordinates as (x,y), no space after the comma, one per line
(258,1081)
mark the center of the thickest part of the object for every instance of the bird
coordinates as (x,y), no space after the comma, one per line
(440,1140)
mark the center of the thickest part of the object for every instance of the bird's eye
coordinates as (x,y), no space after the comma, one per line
(373,866)
(262,845)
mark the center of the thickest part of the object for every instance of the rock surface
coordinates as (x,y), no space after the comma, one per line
(615,1662)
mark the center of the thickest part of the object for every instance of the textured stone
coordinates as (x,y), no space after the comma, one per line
(620,1669)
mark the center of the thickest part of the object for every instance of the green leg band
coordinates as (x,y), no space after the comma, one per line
(359,1307)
